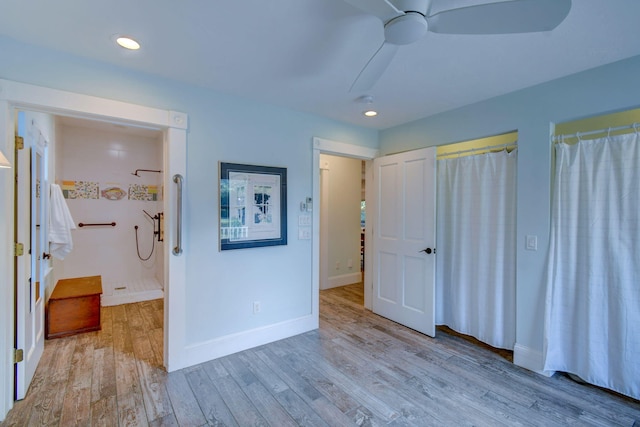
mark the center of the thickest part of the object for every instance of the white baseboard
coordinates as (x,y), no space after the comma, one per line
(530,359)
(229,344)
(343,280)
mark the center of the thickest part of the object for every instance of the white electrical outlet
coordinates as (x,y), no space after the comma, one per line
(256,307)
(349,263)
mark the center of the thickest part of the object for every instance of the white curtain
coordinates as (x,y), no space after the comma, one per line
(592,325)
(476,258)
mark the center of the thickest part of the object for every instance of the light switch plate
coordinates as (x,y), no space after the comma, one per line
(304,220)
(304,233)
(531,243)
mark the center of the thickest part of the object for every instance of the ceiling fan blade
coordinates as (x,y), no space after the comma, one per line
(504,17)
(383,9)
(374,68)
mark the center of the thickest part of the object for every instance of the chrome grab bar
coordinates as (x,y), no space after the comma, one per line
(177,250)
(82,224)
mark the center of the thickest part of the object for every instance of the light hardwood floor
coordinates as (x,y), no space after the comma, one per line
(357,369)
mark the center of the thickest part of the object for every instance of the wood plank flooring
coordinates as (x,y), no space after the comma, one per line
(358,369)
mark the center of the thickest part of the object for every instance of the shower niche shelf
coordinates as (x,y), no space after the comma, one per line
(74,307)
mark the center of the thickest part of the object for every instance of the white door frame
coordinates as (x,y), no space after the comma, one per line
(335,148)
(14,95)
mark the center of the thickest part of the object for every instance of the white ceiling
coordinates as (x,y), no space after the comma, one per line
(304,54)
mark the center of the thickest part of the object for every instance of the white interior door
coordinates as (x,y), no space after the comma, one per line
(33,268)
(404,239)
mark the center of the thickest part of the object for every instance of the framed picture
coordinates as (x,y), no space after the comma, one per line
(253,206)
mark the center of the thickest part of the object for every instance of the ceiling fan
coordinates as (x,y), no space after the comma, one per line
(407,21)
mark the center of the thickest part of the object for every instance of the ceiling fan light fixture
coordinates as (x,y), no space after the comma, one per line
(406,29)
(368,100)
(127,42)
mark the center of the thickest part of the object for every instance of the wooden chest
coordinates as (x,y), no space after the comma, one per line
(74,307)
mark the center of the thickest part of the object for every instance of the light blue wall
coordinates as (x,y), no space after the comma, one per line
(531,112)
(220,286)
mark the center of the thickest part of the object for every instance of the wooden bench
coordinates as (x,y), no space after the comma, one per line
(74,307)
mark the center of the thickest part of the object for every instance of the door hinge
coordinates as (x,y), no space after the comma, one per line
(18,249)
(18,355)
(19,142)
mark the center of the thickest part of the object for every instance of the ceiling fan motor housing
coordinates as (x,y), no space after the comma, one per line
(412,5)
(406,29)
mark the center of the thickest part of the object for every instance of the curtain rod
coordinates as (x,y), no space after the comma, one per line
(487,148)
(579,135)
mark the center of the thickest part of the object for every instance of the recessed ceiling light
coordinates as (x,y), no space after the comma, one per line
(128,43)
(370,113)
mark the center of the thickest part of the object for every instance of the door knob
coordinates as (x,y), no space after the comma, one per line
(429,251)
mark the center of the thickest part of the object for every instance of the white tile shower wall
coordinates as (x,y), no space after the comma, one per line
(110,158)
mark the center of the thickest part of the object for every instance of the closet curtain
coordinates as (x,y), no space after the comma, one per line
(476,258)
(592,324)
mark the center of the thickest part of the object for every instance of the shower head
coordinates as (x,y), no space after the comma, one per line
(144,170)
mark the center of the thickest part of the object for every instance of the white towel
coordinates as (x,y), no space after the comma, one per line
(60,224)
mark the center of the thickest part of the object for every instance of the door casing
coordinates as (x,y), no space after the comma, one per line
(173,124)
(336,148)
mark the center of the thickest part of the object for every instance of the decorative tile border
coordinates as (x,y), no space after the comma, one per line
(110,191)
(143,192)
(80,189)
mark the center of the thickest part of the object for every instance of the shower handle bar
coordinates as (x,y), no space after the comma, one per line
(177,250)
(83,224)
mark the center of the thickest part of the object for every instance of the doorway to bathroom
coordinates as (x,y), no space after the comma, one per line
(172,125)
(111,177)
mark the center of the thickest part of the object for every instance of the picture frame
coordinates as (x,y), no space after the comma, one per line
(253,206)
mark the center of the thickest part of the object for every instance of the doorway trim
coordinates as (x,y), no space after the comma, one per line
(173,124)
(326,146)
